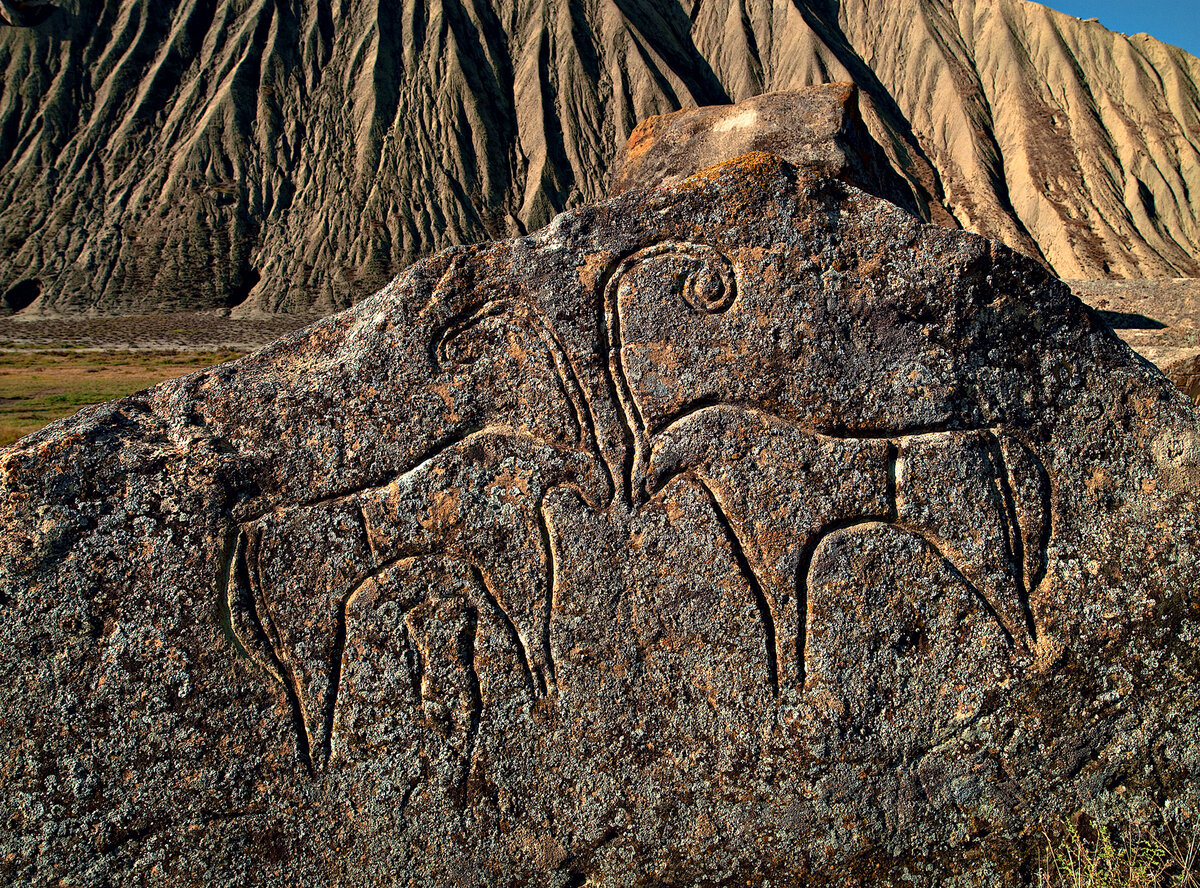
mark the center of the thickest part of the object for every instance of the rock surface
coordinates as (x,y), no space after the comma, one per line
(740,530)
(1185,373)
(295,155)
(818,129)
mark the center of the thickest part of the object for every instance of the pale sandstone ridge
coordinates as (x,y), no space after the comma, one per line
(293,156)
(742,531)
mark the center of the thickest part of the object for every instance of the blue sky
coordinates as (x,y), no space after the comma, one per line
(1171,21)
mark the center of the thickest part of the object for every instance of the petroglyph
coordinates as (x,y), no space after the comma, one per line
(742,515)
(479,502)
(696,275)
(977,498)
(783,489)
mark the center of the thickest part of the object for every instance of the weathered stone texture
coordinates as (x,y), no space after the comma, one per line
(740,530)
(819,129)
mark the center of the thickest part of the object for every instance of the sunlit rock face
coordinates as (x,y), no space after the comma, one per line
(819,128)
(741,529)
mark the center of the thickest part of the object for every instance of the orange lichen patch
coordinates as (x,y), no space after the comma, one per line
(643,136)
(593,268)
(845,90)
(675,508)
(516,351)
(445,393)
(443,510)
(663,357)
(1099,479)
(758,172)
(509,481)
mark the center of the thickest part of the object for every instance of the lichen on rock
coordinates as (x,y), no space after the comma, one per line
(743,529)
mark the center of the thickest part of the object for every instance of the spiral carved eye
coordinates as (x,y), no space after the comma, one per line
(708,288)
(702,276)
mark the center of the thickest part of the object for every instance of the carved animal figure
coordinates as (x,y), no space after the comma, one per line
(479,503)
(779,484)
(476,500)
(978,497)
(697,539)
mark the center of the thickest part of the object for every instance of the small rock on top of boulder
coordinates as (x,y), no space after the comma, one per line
(819,129)
(742,529)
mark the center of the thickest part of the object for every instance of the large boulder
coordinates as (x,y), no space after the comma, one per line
(740,530)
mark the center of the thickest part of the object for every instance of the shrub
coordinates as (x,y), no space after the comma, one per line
(1123,843)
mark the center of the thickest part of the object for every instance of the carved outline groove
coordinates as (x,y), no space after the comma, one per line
(628,410)
(889,518)
(240,558)
(760,599)
(239,568)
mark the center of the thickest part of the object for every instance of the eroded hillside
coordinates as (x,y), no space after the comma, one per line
(295,154)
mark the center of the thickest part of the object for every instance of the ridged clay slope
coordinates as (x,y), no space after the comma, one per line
(294,155)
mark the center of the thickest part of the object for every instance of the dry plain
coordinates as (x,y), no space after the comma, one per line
(53,367)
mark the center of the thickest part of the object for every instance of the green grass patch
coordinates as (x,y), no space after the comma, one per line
(40,385)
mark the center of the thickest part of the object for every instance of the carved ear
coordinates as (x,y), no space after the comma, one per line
(464,340)
(699,274)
